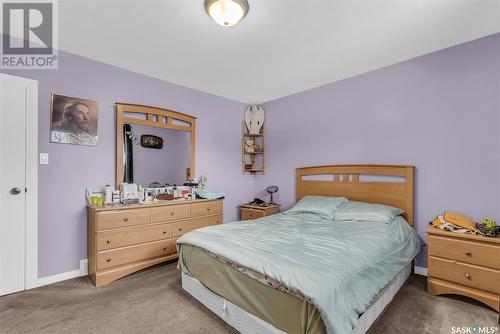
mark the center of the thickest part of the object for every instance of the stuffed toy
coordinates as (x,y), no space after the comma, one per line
(489,227)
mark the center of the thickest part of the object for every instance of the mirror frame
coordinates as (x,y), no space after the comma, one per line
(152,116)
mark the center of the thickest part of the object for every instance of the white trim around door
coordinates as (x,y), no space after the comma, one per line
(31,277)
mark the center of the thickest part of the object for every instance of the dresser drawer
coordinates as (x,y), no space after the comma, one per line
(179,228)
(134,236)
(170,212)
(472,252)
(122,218)
(465,274)
(248,214)
(125,255)
(206,208)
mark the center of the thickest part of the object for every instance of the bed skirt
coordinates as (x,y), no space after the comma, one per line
(247,323)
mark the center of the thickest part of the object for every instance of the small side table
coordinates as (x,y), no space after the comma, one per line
(249,212)
(464,264)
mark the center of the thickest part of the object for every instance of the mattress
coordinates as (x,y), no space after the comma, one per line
(245,322)
(338,267)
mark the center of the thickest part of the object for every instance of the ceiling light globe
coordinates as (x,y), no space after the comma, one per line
(226,12)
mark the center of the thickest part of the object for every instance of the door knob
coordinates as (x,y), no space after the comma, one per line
(15,191)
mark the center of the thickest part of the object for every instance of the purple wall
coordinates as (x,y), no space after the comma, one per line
(438,112)
(62,224)
(165,165)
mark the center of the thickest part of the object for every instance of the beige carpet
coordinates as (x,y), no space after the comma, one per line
(152,301)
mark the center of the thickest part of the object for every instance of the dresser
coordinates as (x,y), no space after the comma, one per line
(249,212)
(123,239)
(464,264)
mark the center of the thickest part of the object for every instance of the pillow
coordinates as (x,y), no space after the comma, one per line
(360,211)
(321,205)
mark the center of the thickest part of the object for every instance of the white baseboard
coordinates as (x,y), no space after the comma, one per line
(84,267)
(421,271)
(83,271)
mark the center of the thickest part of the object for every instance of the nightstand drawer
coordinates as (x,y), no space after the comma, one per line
(465,274)
(248,214)
(472,252)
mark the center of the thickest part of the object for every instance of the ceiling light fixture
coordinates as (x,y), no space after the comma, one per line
(226,12)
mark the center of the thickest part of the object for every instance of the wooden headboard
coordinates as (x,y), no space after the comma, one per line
(390,185)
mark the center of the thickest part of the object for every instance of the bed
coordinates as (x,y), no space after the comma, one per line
(296,274)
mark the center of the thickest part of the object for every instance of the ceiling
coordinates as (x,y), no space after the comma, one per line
(279,48)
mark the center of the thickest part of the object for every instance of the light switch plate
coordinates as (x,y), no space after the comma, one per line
(44,158)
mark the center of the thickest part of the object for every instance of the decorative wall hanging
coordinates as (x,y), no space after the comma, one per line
(254,119)
(252,149)
(73,120)
(150,141)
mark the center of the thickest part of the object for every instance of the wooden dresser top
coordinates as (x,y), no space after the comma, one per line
(136,206)
(475,237)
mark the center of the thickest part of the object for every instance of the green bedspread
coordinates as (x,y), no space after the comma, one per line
(339,266)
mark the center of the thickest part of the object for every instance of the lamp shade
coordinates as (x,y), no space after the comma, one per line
(226,12)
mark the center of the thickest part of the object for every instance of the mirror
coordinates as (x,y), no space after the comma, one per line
(154,145)
(145,162)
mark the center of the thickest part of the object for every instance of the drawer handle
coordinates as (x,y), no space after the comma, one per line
(467,275)
(172,213)
(108,241)
(164,248)
(125,219)
(468,253)
(164,232)
(180,229)
(108,259)
(208,209)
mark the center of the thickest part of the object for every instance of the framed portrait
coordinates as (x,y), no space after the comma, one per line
(73,120)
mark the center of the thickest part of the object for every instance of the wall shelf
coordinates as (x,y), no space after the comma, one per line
(252,162)
(252,135)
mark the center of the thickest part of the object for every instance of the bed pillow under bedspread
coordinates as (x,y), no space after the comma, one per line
(340,267)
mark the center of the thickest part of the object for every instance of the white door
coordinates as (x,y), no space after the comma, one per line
(16,96)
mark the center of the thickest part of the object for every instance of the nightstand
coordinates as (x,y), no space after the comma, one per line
(248,212)
(464,264)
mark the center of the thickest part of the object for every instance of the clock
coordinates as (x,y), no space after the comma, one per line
(150,141)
